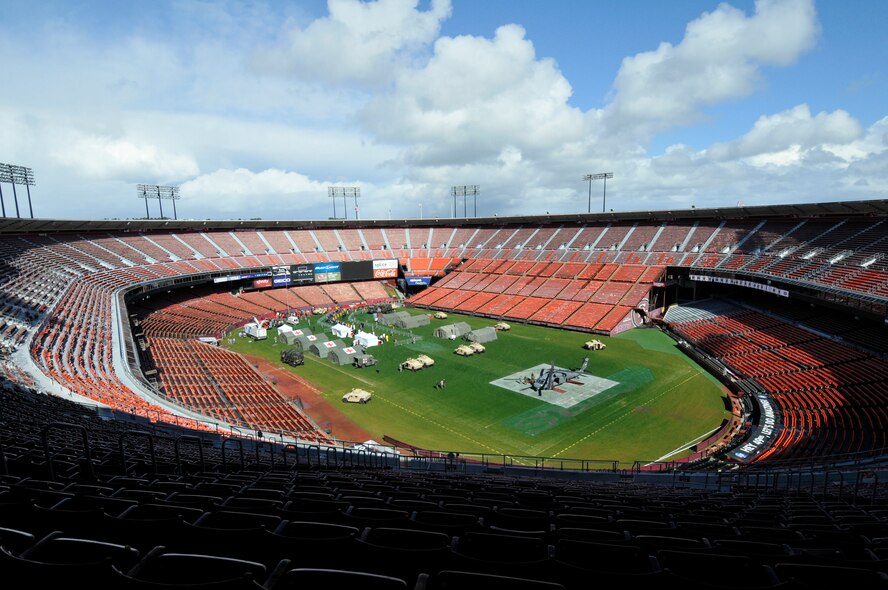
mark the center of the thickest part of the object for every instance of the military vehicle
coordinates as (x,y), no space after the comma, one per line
(477,347)
(426,360)
(502,327)
(412,365)
(357,396)
(292,357)
(594,345)
(364,360)
(551,378)
(440,315)
(464,350)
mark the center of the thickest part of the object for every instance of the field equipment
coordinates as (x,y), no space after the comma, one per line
(292,357)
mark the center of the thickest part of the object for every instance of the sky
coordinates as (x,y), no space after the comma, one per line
(255,109)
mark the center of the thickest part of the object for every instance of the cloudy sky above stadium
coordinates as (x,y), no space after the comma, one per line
(254,109)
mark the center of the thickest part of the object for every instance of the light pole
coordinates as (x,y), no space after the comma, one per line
(599,176)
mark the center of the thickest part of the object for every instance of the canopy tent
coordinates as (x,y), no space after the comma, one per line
(452,331)
(482,335)
(366,339)
(283,329)
(341,331)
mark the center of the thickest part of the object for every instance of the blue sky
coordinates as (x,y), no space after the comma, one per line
(254,109)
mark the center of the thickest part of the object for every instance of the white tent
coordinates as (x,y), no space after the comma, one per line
(283,328)
(366,339)
(341,330)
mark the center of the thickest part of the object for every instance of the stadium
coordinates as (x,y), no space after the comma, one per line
(735,419)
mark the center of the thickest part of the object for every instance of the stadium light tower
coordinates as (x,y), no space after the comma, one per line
(599,176)
(465,191)
(16,175)
(345,192)
(159,192)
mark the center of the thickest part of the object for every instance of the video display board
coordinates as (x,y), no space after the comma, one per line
(325,272)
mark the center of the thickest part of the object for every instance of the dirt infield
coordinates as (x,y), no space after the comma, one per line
(324,414)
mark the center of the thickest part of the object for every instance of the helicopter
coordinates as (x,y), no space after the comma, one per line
(552,377)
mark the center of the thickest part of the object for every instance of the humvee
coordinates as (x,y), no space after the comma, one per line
(440,315)
(292,357)
(426,360)
(502,327)
(476,346)
(464,350)
(594,345)
(357,396)
(412,365)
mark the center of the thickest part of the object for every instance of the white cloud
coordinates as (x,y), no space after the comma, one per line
(474,98)
(373,96)
(104,157)
(719,59)
(358,41)
(782,138)
(230,190)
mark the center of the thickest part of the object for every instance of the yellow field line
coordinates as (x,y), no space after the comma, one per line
(619,418)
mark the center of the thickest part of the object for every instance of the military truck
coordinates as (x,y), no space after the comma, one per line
(292,357)
(464,350)
(364,360)
(426,360)
(502,327)
(594,345)
(412,365)
(440,315)
(357,396)
(477,347)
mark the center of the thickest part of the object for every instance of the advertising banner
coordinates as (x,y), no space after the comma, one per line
(325,272)
(740,283)
(419,281)
(282,280)
(261,283)
(302,273)
(385,269)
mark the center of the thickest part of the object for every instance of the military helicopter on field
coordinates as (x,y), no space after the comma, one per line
(551,378)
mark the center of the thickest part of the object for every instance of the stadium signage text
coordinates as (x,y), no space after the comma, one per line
(765,432)
(385,269)
(418,281)
(740,283)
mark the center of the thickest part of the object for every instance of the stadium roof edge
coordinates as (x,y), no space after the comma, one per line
(877,207)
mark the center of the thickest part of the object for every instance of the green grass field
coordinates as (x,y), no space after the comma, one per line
(663,400)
